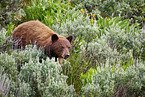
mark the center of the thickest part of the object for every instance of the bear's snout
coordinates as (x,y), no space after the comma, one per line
(66,55)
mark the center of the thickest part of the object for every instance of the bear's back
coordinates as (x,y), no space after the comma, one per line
(33,32)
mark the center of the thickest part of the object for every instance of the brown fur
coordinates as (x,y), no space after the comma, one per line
(36,32)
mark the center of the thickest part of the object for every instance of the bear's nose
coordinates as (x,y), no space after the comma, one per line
(66,56)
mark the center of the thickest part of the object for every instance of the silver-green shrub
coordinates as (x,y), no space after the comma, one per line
(127,9)
(79,27)
(4,85)
(101,50)
(33,78)
(8,63)
(11,11)
(3,36)
(118,42)
(116,81)
(5,40)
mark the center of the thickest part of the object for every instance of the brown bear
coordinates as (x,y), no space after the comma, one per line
(36,32)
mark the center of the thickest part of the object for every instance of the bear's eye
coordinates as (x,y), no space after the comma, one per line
(62,47)
(68,47)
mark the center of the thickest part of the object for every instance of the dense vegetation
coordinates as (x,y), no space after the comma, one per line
(107,57)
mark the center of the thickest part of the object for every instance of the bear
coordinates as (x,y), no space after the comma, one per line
(35,32)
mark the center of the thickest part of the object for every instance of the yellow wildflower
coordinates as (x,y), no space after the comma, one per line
(93,15)
(108,18)
(92,20)
(58,20)
(82,10)
(48,2)
(69,4)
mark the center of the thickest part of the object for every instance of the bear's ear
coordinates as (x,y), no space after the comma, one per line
(70,38)
(54,37)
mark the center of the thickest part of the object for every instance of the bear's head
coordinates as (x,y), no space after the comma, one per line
(59,47)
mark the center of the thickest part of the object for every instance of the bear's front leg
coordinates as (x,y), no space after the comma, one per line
(55,59)
(60,60)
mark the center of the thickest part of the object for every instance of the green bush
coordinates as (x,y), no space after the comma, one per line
(118,41)
(105,38)
(48,12)
(45,79)
(5,42)
(4,85)
(32,78)
(111,81)
(11,11)
(79,27)
(8,63)
(127,9)
(3,36)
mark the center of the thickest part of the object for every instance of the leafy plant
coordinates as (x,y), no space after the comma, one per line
(4,85)
(34,78)
(3,36)
(44,78)
(5,42)
(110,80)
(48,12)
(128,9)
(80,26)
(11,11)
(118,40)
